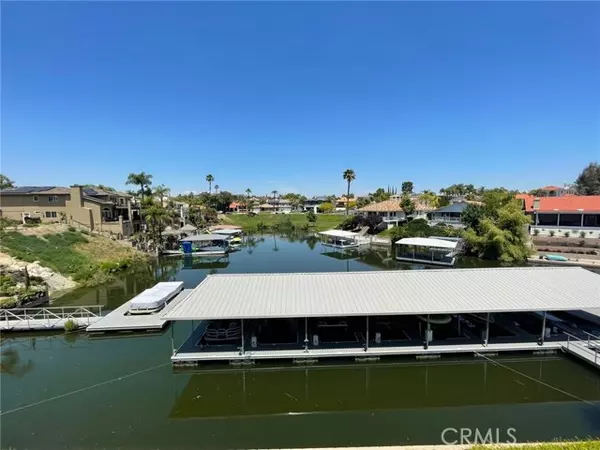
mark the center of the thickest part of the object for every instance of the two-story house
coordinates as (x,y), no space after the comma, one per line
(93,208)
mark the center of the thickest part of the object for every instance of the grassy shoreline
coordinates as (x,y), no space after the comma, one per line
(275,221)
(88,259)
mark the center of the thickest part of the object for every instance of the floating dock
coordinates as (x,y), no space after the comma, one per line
(48,319)
(364,315)
(120,319)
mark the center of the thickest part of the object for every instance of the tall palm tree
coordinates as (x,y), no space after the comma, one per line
(274,192)
(248,192)
(210,179)
(161,192)
(349,176)
(142,179)
(216,188)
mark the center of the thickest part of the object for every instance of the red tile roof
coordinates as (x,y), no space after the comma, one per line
(551,188)
(570,203)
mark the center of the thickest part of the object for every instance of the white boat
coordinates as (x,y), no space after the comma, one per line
(440,252)
(155,298)
(343,239)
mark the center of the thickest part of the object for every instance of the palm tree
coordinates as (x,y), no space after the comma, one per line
(210,179)
(161,192)
(248,192)
(274,192)
(349,176)
(216,188)
(142,179)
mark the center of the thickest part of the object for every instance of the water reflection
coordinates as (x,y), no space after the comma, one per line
(395,386)
(11,363)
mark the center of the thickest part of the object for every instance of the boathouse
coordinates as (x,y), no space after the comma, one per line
(372,314)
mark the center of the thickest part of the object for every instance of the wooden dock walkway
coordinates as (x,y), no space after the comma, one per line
(49,318)
(120,320)
(588,350)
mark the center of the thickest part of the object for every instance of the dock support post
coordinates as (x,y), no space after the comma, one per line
(306,334)
(427,333)
(242,351)
(367,343)
(487,330)
(543,329)
(172,325)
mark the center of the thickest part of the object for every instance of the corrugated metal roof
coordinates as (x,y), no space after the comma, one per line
(427,242)
(235,296)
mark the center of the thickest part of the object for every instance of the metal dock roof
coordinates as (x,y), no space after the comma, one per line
(247,296)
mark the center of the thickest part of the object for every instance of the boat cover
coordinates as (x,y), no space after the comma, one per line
(156,296)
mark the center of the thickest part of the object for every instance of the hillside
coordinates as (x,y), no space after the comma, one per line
(85,258)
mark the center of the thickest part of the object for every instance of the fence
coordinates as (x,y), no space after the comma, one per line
(51,317)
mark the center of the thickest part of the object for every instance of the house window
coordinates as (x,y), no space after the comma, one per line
(51,214)
(35,198)
(106,213)
(121,201)
(52,198)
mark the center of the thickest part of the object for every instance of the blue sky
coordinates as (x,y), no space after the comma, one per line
(286,96)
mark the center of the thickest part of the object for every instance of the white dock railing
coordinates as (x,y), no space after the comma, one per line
(50,317)
(591,345)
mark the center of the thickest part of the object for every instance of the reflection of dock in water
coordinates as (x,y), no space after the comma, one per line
(255,392)
(191,262)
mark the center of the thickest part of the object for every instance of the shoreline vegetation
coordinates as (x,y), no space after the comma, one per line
(83,258)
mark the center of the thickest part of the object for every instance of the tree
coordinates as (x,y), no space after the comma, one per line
(379,195)
(274,192)
(157,217)
(248,192)
(312,217)
(349,176)
(161,192)
(430,199)
(210,179)
(142,179)
(216,188)
(495,199)
(504,238)
(588,181)
(326,207)
(407,187)
(472,216)
(407,205)
(5,182)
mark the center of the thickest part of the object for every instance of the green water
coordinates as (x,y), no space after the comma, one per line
(121,392)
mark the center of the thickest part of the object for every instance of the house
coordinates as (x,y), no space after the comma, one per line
(237,207)
(274,206)
(340,203)
(555,191)
(312,204)
(421,210)
(389,211)
(93,208)
(449,215)
(573,214)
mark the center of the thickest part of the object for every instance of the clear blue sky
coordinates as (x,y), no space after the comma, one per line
(286,96)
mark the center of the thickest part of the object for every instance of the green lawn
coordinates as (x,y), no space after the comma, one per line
(586,445)
(249,223)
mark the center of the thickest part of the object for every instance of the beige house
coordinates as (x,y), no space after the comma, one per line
(93,208)
(389,210)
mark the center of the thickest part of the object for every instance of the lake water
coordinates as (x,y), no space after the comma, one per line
(73,391)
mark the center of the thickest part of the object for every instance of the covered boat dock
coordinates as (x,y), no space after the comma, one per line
(307,316)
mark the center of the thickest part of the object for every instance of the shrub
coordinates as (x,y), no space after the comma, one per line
(552,233)
(70,326)
(567,234)
(536,232)
(72,228)
(582,234)
(581,242)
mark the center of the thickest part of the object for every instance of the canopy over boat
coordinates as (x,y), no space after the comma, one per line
(204,238)
(427,242)
(339,233)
